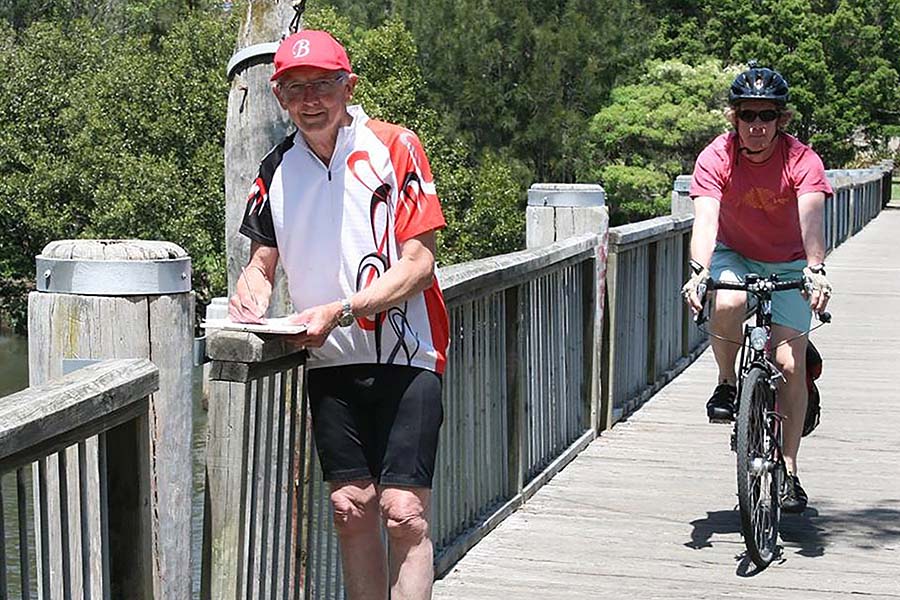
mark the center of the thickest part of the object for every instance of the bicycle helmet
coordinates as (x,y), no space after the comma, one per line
(759,83)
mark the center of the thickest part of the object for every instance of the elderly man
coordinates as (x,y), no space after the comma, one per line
(348,204)
(759,199)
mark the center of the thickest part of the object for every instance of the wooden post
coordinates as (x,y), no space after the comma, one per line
(255,123)
(255,468)
(682,205)
(557,211)
(100,299)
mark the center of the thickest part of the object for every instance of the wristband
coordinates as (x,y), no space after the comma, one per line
(818,269)
(696,267)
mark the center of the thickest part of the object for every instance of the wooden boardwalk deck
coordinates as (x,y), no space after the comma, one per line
(649,509)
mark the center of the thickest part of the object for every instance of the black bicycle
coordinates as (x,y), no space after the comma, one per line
(757,437)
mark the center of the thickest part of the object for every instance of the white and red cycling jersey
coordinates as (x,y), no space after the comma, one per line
(338,227)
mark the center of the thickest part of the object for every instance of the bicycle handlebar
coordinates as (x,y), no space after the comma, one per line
(755,285)
(752,285)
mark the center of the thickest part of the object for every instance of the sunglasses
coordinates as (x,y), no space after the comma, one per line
(748,116)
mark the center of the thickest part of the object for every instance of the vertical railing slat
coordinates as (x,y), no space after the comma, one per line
(24,558)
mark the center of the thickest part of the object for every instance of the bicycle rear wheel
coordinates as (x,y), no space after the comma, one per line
(759,471)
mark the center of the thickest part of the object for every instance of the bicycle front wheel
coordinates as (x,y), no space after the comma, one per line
(759,470)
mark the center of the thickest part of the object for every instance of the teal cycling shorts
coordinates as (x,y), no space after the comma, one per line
(789,308)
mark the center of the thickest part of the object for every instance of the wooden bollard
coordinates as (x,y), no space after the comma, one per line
(101,299)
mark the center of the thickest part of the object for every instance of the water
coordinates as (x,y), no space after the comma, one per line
(13,363)
(14,377)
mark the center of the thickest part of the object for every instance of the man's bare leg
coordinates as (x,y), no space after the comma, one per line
(358,525)
(792,396)
(726,321)
(405,512)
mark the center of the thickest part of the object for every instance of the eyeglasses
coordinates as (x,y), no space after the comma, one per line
(318,88)
(766,116)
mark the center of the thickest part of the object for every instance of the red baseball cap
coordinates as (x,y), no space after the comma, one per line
(310,48)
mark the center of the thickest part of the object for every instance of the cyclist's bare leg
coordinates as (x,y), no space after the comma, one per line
(792,396)
(726,322)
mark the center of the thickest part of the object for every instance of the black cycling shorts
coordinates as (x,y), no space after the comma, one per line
(376,422)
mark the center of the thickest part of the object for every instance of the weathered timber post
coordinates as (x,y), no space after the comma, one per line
(258,454)
(101,299)
(255,123)
(557,211)
(682,205)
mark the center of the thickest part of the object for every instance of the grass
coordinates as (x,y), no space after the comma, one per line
(895,189)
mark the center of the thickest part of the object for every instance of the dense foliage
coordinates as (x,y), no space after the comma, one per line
(112,113)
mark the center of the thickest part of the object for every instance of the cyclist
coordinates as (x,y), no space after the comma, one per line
(759,196)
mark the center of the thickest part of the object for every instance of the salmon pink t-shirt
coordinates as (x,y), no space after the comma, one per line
(758,215)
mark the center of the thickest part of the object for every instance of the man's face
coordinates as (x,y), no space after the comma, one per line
(316,99)
(757,123)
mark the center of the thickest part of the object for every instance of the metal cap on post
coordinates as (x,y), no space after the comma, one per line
(103,299)
(113,268)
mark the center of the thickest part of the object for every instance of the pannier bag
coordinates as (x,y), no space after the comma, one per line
(813,372)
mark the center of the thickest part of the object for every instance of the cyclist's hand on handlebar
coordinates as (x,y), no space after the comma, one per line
(818,289)
(689,290)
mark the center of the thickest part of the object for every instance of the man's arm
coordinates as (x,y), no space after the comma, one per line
(410,275)
(254,286)
(703,242)
(705,229)
(811,207)
(812,226)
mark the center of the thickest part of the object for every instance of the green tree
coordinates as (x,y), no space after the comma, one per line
(524,75)
(651,132)
(109,135)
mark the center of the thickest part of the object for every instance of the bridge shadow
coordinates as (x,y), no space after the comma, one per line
(810,534)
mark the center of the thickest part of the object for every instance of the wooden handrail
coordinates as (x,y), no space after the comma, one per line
(41,420)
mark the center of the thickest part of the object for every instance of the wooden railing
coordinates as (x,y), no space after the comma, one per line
(520,400)
(648,334)
(262,491)
(47,429)
(520,392)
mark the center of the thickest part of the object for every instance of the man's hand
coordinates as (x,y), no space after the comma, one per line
(818,289)
(251,297)
(320,321)
(689,290)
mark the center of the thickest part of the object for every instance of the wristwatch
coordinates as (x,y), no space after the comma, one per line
(346,317)
(818,269)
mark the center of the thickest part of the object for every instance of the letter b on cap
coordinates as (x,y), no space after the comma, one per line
(300,49)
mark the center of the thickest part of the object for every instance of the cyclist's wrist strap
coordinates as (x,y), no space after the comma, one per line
(818,269)
(696,267)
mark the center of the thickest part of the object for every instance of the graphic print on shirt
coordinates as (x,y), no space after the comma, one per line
(257,222)
(763,199)
(374,264)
